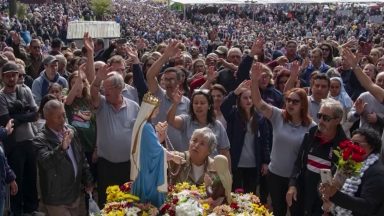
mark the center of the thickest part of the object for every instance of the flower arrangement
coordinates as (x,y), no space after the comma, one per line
(185,199)
(242,205)
(350,157)
(121,203)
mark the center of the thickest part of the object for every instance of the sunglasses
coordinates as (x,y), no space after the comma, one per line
(326,118)
(205,91)
(291,100)
(22,75)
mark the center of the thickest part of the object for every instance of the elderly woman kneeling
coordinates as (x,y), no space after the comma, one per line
(198,163)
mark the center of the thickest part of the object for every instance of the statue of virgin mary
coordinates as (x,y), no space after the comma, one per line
(148,156)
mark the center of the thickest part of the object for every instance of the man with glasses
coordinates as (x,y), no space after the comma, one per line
(49,75)
(33,60)
(172,81)
(316,153)
(116,116)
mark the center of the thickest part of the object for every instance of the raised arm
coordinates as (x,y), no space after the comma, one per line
(171,50)
(246,64)
(211,78)
(364,80)
(293,77)
(90,68)
(138,76)
(172,119)
(264,108)
(16,46)
(95,87)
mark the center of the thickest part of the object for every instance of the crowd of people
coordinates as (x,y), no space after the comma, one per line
(273,88)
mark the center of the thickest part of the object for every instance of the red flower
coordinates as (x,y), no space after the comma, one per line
(172,212)
(175,200)
(344,144)
(239,190)
(234,206)
(357,157)
(164,208)
(347,153)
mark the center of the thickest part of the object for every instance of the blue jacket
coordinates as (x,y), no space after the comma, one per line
(236,130)
(6,174)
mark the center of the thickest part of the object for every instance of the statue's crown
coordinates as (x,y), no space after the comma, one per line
(150,99)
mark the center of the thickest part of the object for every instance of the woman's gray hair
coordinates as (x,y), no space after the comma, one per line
(334,105)
(116,79)
(207,135)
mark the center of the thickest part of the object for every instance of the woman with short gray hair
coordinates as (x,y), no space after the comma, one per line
(198,163)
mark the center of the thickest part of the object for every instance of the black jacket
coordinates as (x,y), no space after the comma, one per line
(58,183)
(369,198)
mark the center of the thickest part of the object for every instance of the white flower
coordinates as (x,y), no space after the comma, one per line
(132,211)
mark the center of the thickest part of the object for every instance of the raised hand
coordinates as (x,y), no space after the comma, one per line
(295,68)
(256,71)
(67,138)
(349,58)
(245,85)
(350,43)
(360,106)
(177,159)
(177,95)
(257,47)
(132,54)
(102,74)
(172,49)
(211,74)
(88,42)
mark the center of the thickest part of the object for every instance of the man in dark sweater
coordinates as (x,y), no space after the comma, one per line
(316,153)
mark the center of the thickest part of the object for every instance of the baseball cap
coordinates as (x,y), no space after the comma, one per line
(10,67)
(221,50)
(49,60)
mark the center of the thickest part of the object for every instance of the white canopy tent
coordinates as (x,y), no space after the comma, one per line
(271,1)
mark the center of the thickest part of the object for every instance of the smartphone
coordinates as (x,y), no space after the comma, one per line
(326,175)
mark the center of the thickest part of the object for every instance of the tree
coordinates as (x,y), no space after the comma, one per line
(100,7)
(21,11)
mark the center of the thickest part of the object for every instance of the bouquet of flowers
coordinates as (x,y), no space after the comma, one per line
(349,162)
(242,205)
(121,203)
(185,199)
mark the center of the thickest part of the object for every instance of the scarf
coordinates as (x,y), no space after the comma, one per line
(352,184)
(343,96)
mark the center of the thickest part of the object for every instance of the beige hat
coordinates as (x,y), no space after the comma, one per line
(221,50)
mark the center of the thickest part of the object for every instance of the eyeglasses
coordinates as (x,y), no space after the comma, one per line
(291,100)
(22,75)
(326,118)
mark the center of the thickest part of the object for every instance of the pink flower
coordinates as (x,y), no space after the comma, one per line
(239,190)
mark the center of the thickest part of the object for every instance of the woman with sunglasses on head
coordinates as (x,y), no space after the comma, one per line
(201,114)
(289,126)
(249,137)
